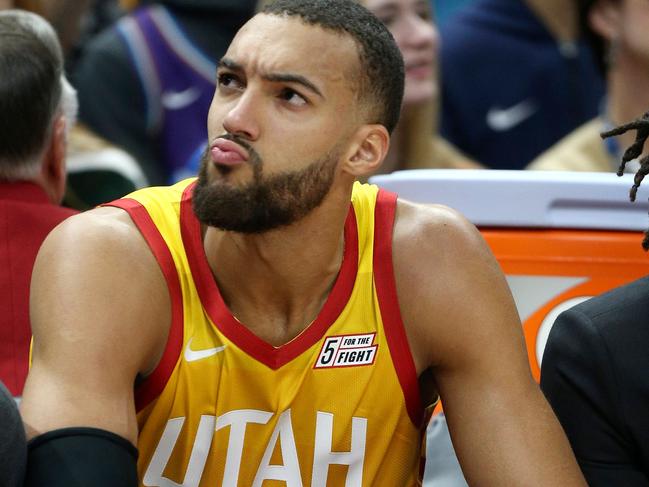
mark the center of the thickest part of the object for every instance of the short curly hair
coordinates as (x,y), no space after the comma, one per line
(381,64)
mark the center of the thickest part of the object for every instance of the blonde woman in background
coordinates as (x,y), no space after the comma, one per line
(415,143)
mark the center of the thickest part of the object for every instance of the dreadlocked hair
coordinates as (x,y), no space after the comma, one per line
(641,125)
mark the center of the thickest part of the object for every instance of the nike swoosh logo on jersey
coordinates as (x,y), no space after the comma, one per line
(504,119)
(193,355)
(176,100)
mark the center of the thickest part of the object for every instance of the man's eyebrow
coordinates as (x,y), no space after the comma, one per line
(293,78)
(229,64)
(274,77)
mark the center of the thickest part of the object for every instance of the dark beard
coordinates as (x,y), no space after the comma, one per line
(265,203)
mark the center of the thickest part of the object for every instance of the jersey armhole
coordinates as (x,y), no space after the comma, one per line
(152,385)
(386,204)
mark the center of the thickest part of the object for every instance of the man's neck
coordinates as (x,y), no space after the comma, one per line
(276,282)
(628,97)
(560,17)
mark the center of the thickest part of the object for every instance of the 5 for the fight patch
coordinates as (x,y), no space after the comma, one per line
(347,351)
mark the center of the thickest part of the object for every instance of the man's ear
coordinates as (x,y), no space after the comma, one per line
(369,147)
(604,19)
(53,171)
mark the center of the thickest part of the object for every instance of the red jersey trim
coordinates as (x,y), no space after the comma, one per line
(151,387)
(386,205)
(226,323)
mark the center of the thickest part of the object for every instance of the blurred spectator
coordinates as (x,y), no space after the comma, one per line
(516,77)
(147,83)
(73,20)
(37,105)
(63,15)
(97,171)
(618,32)
(415,143)
(99,15)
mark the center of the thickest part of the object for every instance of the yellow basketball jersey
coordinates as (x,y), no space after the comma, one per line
(338,405)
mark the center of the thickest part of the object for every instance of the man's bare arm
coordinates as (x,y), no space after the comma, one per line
(100,313)
(462,322)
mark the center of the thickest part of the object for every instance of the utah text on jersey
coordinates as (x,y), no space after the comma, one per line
(244,422)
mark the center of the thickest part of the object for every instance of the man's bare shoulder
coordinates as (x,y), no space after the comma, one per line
(443,267)
(99,228)
(95,277)
(436,233)
(92,252)
(433,247)
(103,241)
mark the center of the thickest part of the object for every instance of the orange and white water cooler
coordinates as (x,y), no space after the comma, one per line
(560,237)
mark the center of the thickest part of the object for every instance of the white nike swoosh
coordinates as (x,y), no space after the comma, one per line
(503,119)
(175,100)
(193,355)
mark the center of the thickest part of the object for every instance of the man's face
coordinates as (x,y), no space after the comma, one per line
(282,116)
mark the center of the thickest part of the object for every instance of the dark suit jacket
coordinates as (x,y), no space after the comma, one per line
(13,445)
(595,373)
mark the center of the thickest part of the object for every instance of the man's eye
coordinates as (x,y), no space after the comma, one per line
(227,80)
(293,97)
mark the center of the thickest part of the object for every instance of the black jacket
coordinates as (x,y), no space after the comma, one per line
(595,373)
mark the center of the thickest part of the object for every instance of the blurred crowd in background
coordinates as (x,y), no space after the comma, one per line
(489,84)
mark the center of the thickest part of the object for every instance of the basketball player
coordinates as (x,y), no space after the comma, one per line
(274,322)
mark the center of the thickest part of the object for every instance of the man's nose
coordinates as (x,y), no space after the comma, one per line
(242,119)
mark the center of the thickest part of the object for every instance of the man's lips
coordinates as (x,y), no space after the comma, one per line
(229,153)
